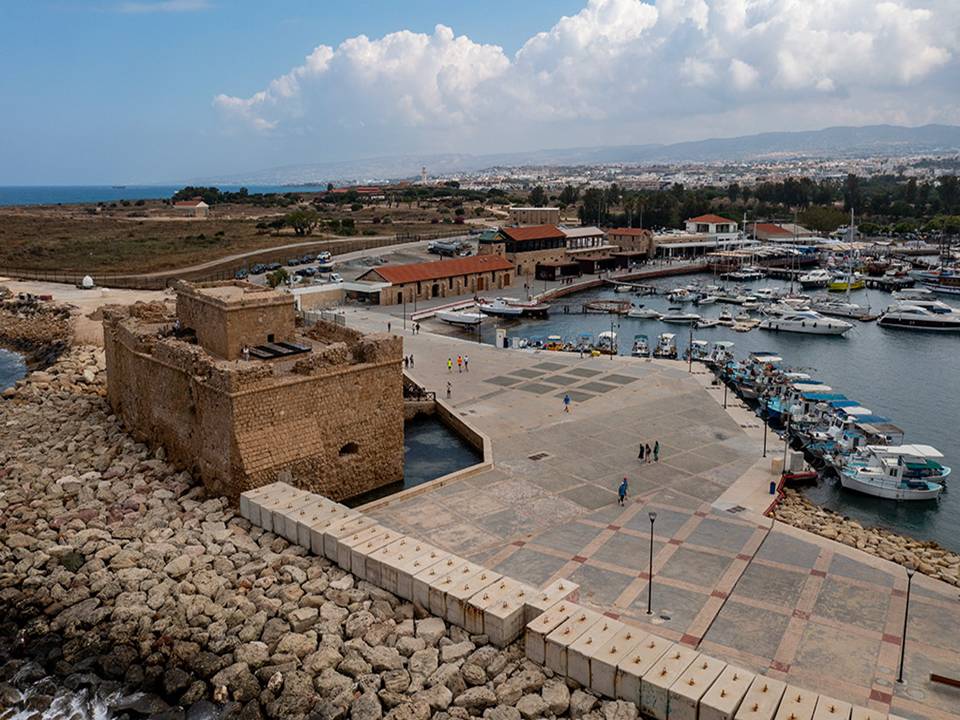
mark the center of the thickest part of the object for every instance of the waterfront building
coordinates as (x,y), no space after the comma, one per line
(711,225)
(632,240)
(525,247)
(534,215)
(240,396)
(441,278)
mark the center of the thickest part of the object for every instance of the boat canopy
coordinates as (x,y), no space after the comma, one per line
(843,403)
(798,376)
(607,335)
(856,411)
(818,396)
(723,344)
(814,387)
(921,451)
(699,343)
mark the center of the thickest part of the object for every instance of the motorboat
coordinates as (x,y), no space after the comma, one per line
(838,308)
(705,299)
(623,289)
(744,273)
(921,315)
(746,325)
(698,350)
(706,323)
(554,343)
(896,472)
(818,278)
(457,317)
(641,346)
(607,342)
(666,346)
(806,321)
(720,354)
(679,295)
(677,315)
(913,294)
(742,317)
(644,313)
(766,293)
(499,307)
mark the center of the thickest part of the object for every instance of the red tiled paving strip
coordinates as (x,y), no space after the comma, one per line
(719,594)
(519,543)
(742,556)
(674,541)
(612,615)
(779,666)
(691,640)
(881,697)
(579,559)
(801,614)
(613,527)
(894,639)
(818,573)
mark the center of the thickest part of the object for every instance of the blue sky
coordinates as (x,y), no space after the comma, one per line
(167,90)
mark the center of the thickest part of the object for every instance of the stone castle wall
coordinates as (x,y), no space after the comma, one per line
(333,423)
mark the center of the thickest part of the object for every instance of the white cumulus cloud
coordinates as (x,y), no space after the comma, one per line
(626,66)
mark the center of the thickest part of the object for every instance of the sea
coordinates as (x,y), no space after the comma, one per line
(78,194)
(12,368)
(909,376)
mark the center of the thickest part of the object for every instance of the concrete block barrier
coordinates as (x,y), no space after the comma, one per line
(535,637)
(796,704)
(360,553)
(655,688)
(503,621)
(344,528)
(426,578)
(762,699)
(408,569)
(723,698)
(584,648)
(550,595)
(829,708)
(686,693)
(603,664)
(630,670)
(559,641)
(459,595)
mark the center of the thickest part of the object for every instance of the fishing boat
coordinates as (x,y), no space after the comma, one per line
(726,318)
(607,342)
(807,322)
(644,313)
(666,346)
(698,350)
(921,315)
(720,354)
(554,343)
(818,278)
(499,307)
(947,283)
(456,317)
(852,281)
(641,346)
(677,315)
(898,472)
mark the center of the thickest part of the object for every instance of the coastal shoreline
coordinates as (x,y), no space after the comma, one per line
(40,332)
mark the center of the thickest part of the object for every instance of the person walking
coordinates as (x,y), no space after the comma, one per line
(566,402)
(411,359)
(406,361)
(656,451)
(417,328)
(449,388)
(388,326)
(622,492)
(449,365)
(640,456)
(459,363)
(648,452)
(466,363)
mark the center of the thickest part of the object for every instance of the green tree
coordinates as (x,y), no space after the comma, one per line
(569,195)
(277,277)
(302,221)
(852,194)
(538,196)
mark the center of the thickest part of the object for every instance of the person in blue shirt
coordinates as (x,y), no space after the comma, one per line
(622,492)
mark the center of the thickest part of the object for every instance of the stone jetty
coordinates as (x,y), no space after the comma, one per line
(927,557)
(116,571)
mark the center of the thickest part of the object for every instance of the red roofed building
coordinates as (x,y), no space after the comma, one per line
(442,278)
(711,225)
(527,246)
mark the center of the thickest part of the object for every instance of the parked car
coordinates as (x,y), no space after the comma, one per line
(258,268)
(324,256)
(293,261)
(240,274)
(306,259)
(274,266)
(308,271)
(335,277)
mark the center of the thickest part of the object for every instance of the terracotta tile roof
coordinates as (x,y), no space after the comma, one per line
(436,270)
(709,218)
(632,232)
(533,232)
(772,229)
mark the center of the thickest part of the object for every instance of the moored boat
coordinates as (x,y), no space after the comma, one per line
(641,346)
(499,307)
(666,346)
(456,317)
(897,472)
(807,322)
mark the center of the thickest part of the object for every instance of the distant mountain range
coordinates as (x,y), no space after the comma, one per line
(851,142)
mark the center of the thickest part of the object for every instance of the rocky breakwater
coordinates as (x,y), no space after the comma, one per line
(118,573)
(39,330)
(927,557)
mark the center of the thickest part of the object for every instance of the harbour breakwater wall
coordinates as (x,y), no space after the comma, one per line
(927,557)
(661,272)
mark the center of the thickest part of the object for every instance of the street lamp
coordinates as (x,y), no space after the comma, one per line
(764,416)
(724,395)
(653,517)
(906,613)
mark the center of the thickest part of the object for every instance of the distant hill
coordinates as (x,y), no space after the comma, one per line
(871,140)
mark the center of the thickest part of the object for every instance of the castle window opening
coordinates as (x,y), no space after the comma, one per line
(351,448)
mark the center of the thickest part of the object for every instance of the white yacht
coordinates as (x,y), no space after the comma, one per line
(921,315)
(644,313)
(641,346)
(499,307)
(460,318)
(897,472)
(726,318)
(816,279)
(666,346)
(807,322)
(839,308)
(677,315)
(679,295)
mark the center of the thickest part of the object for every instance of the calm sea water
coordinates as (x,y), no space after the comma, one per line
(12,368)
(909,376)
(72,194)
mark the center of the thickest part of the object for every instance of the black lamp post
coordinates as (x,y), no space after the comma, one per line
(724,395)
(906,612)
(653,517)
(764,428)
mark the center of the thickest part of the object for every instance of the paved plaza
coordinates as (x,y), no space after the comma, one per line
(727,579)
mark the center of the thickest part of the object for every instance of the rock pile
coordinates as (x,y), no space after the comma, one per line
(928,557)
(115,568)
(40,330)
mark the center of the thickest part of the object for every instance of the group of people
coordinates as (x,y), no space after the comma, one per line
(648,454)
(463,363)
(408,360)
(415,328)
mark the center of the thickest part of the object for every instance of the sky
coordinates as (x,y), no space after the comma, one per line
(125,91)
